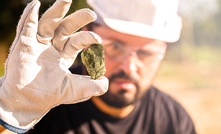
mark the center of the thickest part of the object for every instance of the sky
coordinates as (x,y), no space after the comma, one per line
(198,9)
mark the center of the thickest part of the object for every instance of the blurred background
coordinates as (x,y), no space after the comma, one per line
(191,70)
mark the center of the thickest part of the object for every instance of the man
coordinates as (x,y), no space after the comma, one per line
(133,53)
(133,34)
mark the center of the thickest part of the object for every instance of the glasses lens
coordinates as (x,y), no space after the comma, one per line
(146,56)
(114,50)
(117,51)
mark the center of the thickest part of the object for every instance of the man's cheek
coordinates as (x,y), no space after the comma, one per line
(111,67)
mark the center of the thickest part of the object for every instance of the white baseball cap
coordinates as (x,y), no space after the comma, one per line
(156,19)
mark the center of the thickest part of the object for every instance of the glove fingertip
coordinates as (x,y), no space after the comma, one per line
(92,13)
(96,37)
(103,85)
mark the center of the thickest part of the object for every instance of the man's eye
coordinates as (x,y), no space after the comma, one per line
(116,45)
(113,49)
(144,54)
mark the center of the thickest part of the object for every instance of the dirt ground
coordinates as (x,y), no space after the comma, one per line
(198,91)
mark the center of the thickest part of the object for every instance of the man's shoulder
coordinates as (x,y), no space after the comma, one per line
(162,102)
(160,96)
(168,113)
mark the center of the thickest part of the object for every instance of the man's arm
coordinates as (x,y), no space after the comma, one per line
(36,72)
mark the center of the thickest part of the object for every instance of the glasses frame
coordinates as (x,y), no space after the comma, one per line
(122,51)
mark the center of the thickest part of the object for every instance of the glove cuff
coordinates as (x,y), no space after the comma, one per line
(13,128)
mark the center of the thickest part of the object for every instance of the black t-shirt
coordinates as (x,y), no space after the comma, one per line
(155,113)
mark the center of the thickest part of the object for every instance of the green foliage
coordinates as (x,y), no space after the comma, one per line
(11,10)
(1,69)
(78,4)
(193,67)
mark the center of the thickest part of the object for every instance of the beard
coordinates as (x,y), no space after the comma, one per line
(118,100)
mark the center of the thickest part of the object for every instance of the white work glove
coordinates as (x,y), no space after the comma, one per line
(36,72)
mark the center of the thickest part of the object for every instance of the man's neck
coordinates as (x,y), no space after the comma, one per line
(113,111)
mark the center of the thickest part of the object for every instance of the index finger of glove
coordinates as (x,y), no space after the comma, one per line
(51,19)
(71,24)
(78,41)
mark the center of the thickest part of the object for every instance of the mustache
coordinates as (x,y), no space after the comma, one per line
(123,75)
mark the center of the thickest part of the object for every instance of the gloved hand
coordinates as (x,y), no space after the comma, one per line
(36,72)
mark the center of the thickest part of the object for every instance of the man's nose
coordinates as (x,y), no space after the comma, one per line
(129,64)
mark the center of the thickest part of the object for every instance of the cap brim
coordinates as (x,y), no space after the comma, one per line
(170,33)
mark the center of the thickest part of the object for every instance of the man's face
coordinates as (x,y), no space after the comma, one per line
(131,65)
